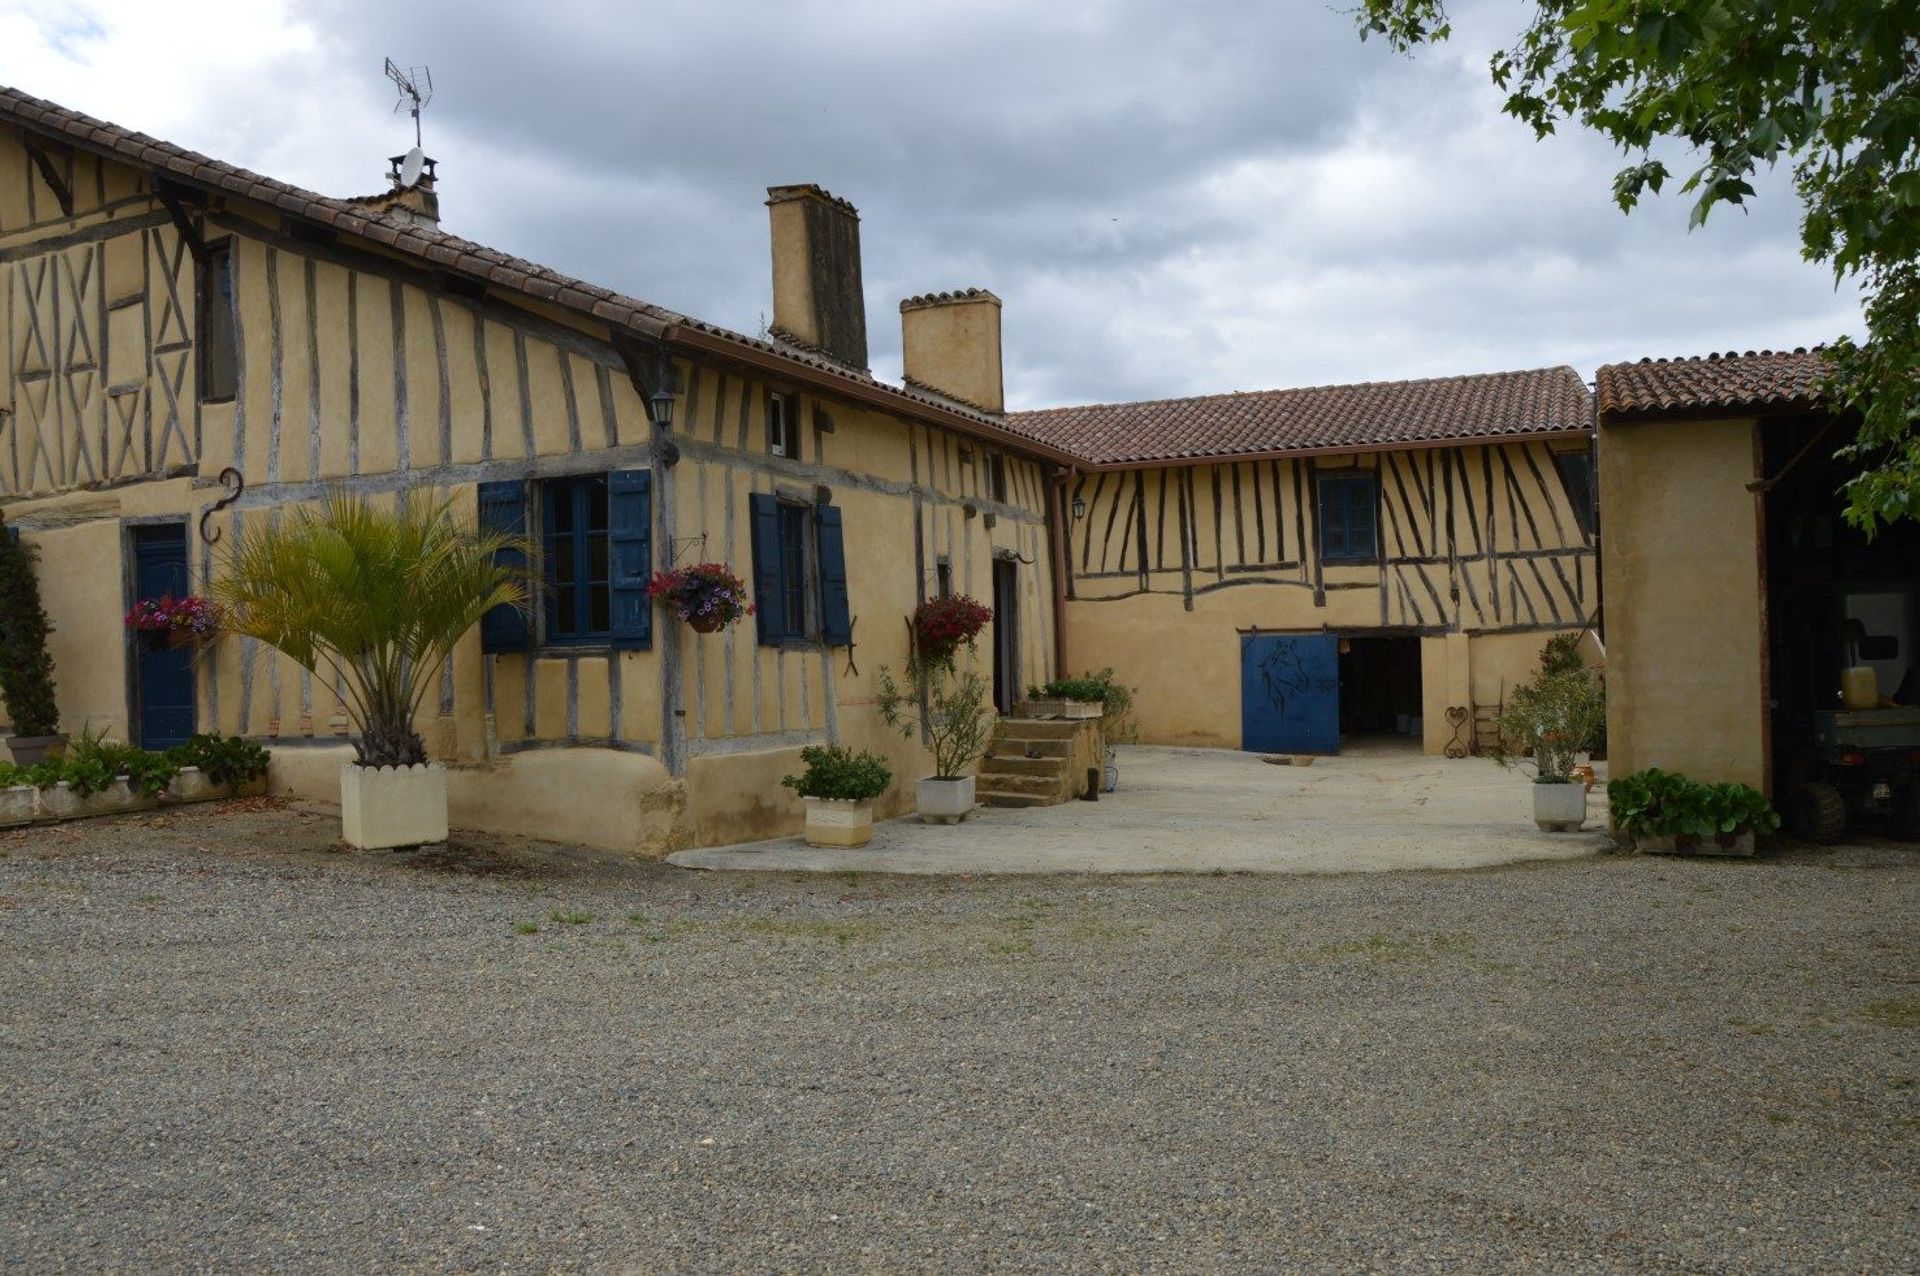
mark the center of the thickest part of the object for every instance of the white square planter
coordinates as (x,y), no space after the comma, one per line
(17,805)
(838,822)
(1560,808)
(384,807)
(942,801)
(1071,709)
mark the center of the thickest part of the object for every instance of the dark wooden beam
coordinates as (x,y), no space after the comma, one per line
(174,199)
(48,173)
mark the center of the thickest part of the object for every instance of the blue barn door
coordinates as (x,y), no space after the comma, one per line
(163,679)
(1290,693)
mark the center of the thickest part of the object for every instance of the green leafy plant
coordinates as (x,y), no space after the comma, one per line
(1548,721)
(834,771)
(1104,689)
(955,716)
(1658,803)
(26,666)
(372,597)
(1825,85)
(228,761)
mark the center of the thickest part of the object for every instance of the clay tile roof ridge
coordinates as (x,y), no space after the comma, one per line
(1346,386)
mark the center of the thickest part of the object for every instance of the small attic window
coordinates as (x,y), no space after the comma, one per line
(783,425)
(997,477)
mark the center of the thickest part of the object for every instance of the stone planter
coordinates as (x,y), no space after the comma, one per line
(1065,709)
(192,785)
(17,805)
(838,822)
(1560,808)
(32,750)
(1740,844)
(61,802)
(944,801)
(389,806)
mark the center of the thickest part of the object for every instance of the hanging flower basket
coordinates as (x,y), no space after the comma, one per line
(705,595)
(942,625)
(169,622)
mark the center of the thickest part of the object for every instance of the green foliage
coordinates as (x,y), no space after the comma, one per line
(837,772)
(1827,85)
(1663,804)
(26,666)
(1104,689)
(951,708)
(1549,720)
(372,597)
(228,761)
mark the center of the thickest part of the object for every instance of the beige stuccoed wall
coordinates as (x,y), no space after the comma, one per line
(1686,688)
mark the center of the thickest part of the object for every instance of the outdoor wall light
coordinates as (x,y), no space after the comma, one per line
(660,406)
(1079,508)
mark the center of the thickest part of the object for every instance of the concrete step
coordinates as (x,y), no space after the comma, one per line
(1058,750)
(1038,728)
(1044,785)
(1010,764)
(987,797)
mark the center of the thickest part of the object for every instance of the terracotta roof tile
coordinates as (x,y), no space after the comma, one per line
(1731,382)
(1367,416)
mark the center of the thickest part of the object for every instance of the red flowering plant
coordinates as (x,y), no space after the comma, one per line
(189,619)
(705,595)
(942,625)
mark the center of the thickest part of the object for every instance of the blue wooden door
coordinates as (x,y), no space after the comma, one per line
(1290,693)
(163,679)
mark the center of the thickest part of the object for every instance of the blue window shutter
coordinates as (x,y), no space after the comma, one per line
(630,546)
(836,625)
(503,510)
(766,568)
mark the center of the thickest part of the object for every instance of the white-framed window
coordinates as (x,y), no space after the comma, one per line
(783,425)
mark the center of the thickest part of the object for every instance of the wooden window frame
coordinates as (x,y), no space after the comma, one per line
(783,424)
(218,258)
(1345,481)
(578,630)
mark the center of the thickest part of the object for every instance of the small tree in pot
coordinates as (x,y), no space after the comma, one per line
(1548,722)
(26,666)
(952,710)
(375,599)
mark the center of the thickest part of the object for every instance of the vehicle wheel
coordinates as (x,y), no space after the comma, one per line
(1818,814)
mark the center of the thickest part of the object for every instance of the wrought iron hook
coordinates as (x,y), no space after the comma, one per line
(229,478)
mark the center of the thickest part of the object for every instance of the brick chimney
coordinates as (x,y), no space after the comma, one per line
(418,203)
(818,301)
(950,344)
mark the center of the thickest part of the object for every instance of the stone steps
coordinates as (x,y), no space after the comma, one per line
(1027,763)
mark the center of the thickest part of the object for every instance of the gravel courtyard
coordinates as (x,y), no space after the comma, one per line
(513,1057)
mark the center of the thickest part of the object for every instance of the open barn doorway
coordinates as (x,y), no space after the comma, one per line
(1380,687)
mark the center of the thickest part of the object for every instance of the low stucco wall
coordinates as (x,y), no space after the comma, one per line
(602,798)
(1685,599)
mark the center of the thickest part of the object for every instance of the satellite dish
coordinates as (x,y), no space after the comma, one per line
(410,167)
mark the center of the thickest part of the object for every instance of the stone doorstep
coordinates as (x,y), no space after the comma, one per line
(988,797)
(1007,764)
(1032,750)
(1040,728)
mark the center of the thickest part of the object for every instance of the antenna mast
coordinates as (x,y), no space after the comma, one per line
(416,85)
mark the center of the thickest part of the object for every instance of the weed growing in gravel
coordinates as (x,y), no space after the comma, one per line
(842,933)
(1892,1014)
(527,928)
(150,899)
(570,916)
(1382,947)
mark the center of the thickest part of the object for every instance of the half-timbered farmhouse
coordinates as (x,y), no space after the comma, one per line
(1277,569)
(192,349)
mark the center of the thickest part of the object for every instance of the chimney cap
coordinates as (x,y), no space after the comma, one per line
(808,190)
(956,297)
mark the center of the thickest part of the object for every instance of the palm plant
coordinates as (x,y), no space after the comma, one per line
(372,597)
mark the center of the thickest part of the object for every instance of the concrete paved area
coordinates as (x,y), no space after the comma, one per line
(1380,806)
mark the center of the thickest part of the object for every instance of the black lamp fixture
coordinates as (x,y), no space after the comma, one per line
(1079,508)
(660,405)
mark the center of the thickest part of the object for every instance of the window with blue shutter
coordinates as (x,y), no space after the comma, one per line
(631,535)
(836,625)
(1348,527)
(577,561)
(799,572)
(503,510)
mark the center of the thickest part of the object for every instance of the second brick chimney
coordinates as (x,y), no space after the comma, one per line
(950,344)
(818,301)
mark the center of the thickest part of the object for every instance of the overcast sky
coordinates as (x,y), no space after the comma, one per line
(1170,199)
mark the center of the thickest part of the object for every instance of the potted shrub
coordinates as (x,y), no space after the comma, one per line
(705,595)
(1658,810)
(26,667)
(941,626)
(839,787)
(1547,722)
(951,709)
(1071,697)
(17,797)
(175,622)
(375,598)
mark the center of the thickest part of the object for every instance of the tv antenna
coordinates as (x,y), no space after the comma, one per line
(416,85)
